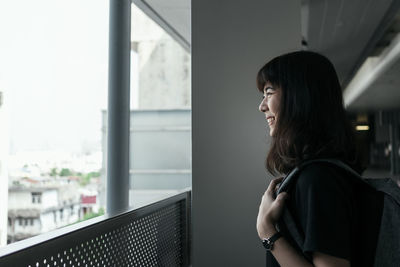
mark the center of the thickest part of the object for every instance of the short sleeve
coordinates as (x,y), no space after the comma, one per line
(323,208)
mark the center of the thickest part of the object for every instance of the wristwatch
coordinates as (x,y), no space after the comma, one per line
(269,242)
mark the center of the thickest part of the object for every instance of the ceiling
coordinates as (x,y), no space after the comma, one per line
(383,93)
(349,32)
(376,84)
(378,87)
(358,35)
(342,29)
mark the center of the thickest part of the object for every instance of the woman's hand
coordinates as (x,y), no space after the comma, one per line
(270,210)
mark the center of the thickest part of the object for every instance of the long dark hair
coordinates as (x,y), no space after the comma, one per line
(312,121)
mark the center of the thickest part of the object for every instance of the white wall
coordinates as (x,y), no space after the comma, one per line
(50,199)
(163,65)
(47,221)
(20,200)
(23,199)
(231,40)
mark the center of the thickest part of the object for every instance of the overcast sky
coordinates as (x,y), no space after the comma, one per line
(53,71)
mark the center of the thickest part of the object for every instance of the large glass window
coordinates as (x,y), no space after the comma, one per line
(53,117)
(53,84)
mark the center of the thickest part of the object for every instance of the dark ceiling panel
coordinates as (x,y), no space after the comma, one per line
(382,94)
(342,30)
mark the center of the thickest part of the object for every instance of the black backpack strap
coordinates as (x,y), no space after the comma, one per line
(287,224)
(335,162)
(288,182)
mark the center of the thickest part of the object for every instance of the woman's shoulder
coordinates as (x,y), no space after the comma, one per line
(322,175)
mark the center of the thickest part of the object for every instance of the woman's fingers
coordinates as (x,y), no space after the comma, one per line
(273,185)
(278,185)
(281,198)
(278,205)
(271,209)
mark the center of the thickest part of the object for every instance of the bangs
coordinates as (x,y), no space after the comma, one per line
(261,80)
(268,73)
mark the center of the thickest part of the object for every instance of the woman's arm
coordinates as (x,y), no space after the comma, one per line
(324,260)
(269,212)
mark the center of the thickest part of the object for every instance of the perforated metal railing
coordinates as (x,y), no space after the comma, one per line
(155,235)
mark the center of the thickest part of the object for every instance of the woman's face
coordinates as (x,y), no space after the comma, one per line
(270,105)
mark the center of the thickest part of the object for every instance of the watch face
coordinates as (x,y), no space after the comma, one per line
(267,244)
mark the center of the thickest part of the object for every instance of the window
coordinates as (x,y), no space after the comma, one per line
(36,197)
(55,89)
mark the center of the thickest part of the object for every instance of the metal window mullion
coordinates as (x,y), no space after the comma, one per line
(118,106)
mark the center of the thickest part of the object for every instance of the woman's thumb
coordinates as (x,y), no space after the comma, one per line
(283,196)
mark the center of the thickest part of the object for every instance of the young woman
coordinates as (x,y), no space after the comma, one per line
(303,105)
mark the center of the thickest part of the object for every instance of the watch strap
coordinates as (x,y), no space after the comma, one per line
(269,242)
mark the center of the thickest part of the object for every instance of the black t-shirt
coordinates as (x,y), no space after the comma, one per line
(337,214)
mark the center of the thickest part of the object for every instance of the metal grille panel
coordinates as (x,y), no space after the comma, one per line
(155,235)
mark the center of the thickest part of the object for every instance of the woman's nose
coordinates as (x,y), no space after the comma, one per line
(263,106)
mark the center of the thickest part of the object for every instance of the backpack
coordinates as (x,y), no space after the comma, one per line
(388,247)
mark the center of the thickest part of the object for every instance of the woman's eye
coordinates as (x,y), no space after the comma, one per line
(268,94)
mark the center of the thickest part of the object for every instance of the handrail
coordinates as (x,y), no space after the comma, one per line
(155,234)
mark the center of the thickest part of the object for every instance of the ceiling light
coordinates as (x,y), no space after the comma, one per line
(362,127)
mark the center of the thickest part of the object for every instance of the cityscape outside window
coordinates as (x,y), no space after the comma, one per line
(53,83)
(53,116)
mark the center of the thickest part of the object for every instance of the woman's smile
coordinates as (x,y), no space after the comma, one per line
(270,105)
(270,120)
